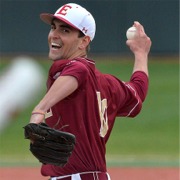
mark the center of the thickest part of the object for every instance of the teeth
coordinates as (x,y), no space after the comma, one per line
(55,45)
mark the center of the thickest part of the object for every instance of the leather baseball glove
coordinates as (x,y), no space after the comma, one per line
(48,145)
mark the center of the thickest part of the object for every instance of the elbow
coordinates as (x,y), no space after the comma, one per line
(136,109)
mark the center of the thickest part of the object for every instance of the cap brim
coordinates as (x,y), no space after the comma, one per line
(47,18)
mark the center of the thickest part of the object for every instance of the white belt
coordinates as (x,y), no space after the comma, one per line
(78,176)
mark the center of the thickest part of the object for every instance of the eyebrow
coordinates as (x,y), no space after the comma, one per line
(65,26)
(62,25)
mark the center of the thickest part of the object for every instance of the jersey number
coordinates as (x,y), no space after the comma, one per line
(102,104)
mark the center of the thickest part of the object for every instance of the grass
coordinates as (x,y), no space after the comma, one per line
(152,138)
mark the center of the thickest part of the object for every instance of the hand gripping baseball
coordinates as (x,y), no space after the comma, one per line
(48,145)
(141,43)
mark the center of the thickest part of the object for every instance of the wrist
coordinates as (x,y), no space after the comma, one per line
(141,63)
(141,56)
(38,112)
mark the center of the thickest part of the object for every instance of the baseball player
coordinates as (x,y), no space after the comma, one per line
(82,100)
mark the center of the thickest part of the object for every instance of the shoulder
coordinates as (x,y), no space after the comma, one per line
(67,65)
(76,69)
(75,66)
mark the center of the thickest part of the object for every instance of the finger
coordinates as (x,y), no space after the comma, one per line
(138,26)
(140,29)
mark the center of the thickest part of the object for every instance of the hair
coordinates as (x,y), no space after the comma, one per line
(82,35)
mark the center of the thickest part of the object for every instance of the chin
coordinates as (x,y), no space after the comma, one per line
(54,58)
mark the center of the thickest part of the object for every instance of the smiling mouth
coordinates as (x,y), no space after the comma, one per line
(56,45)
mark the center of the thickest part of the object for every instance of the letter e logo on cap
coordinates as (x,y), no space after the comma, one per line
(64,9)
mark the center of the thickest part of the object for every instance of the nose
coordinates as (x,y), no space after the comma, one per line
(54,34)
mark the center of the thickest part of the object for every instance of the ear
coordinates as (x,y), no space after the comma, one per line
(84,42)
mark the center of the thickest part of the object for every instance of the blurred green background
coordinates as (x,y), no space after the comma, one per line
(150,139)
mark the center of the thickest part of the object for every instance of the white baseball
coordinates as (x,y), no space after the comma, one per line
(131,33)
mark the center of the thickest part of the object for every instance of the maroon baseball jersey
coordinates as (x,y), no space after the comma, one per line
(89,112)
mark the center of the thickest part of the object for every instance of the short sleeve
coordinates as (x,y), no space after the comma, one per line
(76,69)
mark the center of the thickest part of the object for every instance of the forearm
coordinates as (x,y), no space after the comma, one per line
(141,63)
(62,87)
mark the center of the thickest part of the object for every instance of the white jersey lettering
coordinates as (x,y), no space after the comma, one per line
(48,114)
(102,104)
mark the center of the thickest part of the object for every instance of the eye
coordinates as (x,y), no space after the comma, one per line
(53,27)
(65,30)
